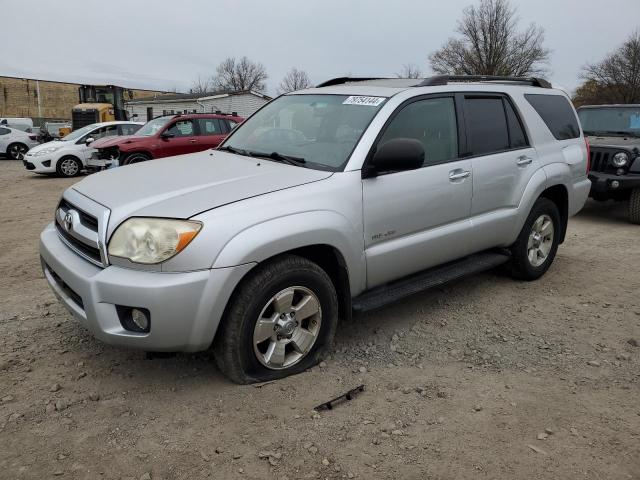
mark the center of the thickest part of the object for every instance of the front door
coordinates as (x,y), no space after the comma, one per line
(183,139)
(417,219)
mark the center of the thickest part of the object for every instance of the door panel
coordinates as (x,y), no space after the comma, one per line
(415,220)
(499,177)
(419,218)
(184,139)
(211,132)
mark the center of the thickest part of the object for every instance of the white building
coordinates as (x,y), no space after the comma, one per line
(242,103)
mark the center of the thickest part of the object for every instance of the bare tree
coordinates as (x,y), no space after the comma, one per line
(242,74)
(409,70)
(294,80)
(491,44)
(201,85)
(616,79)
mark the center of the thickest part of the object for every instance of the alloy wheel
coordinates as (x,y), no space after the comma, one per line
(287,328)
(540,240)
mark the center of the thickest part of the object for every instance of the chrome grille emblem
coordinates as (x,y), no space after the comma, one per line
(68,222)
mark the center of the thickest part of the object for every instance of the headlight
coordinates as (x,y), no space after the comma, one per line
(152,240)
(620,159)
(46,151)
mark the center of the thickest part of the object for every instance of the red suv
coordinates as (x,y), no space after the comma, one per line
(167,136)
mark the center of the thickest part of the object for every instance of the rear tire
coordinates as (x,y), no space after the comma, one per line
(278,322)
(68,167)
(537,244)
(17,151)
(136,158)
(634,206)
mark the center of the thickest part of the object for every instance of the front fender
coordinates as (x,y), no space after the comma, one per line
(262,241)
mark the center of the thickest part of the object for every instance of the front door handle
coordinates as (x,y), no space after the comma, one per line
(193,140)
(524,160)
(458,174)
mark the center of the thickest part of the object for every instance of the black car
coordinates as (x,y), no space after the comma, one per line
(613,133)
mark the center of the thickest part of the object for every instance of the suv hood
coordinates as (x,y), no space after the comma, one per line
(613,141)
(183,186)
(118,140)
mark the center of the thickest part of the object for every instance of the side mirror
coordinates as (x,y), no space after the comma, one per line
(166,134)
(396,155)
(89,140)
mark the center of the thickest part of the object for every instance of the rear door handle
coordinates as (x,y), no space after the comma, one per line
(524,160)
(193,140)
(458,174)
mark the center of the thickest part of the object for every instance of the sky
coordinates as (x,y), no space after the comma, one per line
(166,44)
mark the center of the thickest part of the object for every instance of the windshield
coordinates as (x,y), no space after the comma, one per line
(78,134)
(153,126)
(613,120)
(320,131)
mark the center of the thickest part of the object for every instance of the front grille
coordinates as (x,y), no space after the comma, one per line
(82,234)
(87,220)
(87,250)
(599,160)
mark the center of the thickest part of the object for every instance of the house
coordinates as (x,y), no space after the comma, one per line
(244,103)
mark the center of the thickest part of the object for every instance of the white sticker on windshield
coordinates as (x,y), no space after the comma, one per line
(367,101)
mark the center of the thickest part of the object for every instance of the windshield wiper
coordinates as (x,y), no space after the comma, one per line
(238,151)
(278,157)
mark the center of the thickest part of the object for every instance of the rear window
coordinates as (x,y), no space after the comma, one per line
(557,113)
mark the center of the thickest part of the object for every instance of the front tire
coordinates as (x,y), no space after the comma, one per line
(278,322)
(537,244)
(136,158)
(17,151)
(634,206)
(68,167)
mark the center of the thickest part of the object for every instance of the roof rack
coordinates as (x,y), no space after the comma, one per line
(341,80)
(445,79)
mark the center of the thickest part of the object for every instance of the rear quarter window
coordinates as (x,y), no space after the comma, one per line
(557,114)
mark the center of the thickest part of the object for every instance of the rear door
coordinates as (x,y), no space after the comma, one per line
(211,131)
(183,139)
(416,219)
(503,163)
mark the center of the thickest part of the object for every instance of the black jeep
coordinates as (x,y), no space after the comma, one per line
(613,132)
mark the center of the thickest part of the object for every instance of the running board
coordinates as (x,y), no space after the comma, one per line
(391,292)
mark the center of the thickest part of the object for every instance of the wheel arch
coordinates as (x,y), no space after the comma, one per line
(559,195)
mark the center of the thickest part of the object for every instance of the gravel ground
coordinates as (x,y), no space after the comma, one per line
(484,378)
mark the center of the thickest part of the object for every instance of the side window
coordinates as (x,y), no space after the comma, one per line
(129,129)
(104,132)
(516,132)
(4,131)
(557,113)
(432,122)
(231,124)
(487,130)
(209,126)
(183,128)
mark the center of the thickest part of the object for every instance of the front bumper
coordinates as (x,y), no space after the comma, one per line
(43,164)
(601,183)
(185,308)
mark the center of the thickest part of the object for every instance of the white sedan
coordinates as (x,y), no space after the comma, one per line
(15,143)
(68,156)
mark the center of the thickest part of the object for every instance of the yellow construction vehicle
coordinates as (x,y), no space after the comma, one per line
(100,103)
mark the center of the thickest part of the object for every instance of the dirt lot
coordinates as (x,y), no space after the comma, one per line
(461,382)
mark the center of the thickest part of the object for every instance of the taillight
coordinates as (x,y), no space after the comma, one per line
(586,142)
(33,137)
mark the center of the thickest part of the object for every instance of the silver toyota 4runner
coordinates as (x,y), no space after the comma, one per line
(326,201)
